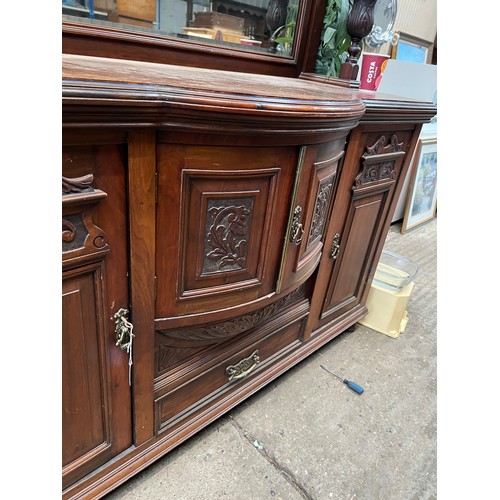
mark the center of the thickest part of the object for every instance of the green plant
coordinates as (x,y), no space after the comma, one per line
(287,31)
(335,41)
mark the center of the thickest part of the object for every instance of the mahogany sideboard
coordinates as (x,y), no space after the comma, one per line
(217,228)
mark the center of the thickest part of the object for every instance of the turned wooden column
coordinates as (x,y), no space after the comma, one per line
(359,25)
(275,18)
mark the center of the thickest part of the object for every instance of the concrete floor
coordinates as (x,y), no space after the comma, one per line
(308,436)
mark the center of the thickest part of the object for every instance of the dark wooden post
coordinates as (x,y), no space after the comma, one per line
(359,25)
(275,18)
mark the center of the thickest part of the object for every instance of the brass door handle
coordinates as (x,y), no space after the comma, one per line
(297,230)
(124,336)
(334,251)
(244,367)
(123,329)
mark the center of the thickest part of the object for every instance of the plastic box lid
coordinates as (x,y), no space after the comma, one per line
(394,271)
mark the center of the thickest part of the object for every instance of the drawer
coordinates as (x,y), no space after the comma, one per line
(228,374)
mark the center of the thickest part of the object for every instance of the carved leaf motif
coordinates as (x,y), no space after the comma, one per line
(384,168)
(77,184)
(376,172)
(68,231)
(226,236)
(380,146)
(227,329)
(74,232)
(322,203)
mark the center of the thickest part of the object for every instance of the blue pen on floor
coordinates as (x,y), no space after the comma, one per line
(352,385)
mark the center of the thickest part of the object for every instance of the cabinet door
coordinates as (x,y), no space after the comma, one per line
(366,190)
(96,416)
(315,185)
(221,220)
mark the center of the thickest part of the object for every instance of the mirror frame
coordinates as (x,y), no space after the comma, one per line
(103,41)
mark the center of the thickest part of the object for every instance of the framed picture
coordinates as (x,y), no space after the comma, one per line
(412,49)
(422,190)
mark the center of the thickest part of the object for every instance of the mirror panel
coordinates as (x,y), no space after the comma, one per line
(262,26)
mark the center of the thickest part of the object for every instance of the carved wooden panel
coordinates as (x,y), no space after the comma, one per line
(355,242)
(322,188)
(221,216)
(353,245)
(315,194)
(82,240)
(179,345)
(320,215)
(225,231)
(85,397)
(379,162)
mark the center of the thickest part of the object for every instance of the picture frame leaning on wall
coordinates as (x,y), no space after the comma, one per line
(412,49)
(421,202)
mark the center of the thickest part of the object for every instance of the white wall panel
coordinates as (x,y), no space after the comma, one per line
(417,18)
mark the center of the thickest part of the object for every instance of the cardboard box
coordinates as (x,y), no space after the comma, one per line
(217,21)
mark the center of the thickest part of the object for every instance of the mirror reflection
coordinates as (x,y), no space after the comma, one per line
(384,17)
(266,26)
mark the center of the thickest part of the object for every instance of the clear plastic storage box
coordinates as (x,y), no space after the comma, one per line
(389,294)
(394,272)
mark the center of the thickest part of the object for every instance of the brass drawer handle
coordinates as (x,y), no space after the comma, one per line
(297,229)
(244,367)
(334,251)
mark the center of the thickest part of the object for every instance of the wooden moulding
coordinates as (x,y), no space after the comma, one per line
(82,240)
(141,174)
(117,93)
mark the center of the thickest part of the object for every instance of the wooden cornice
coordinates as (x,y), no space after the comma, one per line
(103,92)
(381,107)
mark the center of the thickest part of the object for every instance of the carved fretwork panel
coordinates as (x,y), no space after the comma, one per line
(384,146)
(373,172)
(219,233)
(379,162)
(82,240)
(321,210)
(77,184)
(74,232)
(226,234)
(180,345)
